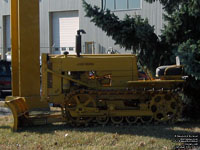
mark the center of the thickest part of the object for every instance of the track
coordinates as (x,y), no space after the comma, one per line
(83,107)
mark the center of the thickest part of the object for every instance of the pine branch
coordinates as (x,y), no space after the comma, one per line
(132,33)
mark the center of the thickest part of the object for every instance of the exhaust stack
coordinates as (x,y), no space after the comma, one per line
(78,41)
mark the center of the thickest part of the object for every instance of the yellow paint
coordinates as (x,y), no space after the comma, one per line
(18,107)
(110,82)
(25,59)
(15,47)
(29,49)
(25,47)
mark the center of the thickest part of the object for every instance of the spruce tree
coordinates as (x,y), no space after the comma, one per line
(181,33)
(131,33)
(180,36)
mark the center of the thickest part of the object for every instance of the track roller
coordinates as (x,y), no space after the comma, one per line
(103,120)
(146,119)
(131,120)
(117,120)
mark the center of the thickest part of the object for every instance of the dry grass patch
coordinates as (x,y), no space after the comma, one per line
(1,103)
(61,136)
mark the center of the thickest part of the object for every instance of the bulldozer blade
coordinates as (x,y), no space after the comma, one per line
(21,107)
(18,108)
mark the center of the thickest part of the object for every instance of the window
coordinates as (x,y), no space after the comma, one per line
(89,48)
(134,4)
(121,4)
(109,4)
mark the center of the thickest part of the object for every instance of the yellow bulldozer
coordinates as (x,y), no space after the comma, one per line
(87,89)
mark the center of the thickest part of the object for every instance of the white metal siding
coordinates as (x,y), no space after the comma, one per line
(101,41)
(65,26)
(7,33)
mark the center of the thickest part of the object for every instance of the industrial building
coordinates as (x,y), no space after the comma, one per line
(60,19)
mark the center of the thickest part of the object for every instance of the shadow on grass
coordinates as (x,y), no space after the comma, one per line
(156,131)
(5,127)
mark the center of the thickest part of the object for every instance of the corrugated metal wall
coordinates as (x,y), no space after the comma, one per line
(46,9)
(4,11)
(101,42)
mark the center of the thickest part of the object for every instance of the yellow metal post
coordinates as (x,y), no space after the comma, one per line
(25,61)
(25,47)
(15,56)
(29,49)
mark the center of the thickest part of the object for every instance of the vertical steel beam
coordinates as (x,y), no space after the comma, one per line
(25,47)
(29,48)
(15,48)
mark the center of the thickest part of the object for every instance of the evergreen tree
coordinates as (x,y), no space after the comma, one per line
(182,32)
(180,36)
(169,5)
(132,33)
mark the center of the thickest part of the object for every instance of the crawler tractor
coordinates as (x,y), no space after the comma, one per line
(88,89)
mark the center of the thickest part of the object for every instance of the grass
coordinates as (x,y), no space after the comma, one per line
(61,136)
(1,104)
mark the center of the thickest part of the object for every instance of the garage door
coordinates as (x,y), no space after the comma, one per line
(65,26)
(7,33)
